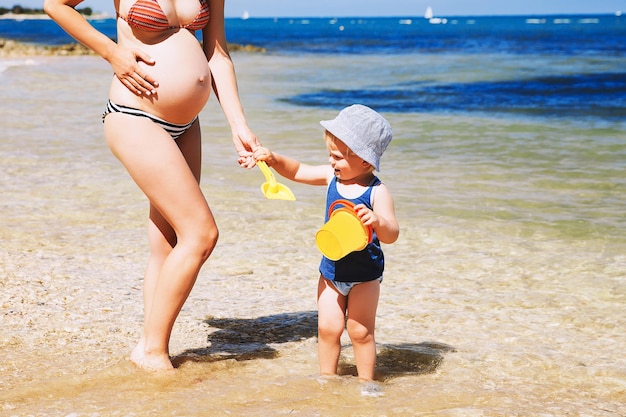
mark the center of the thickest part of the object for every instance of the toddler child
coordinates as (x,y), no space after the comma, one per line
(349,288)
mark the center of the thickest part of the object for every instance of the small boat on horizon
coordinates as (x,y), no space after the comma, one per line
(428,14)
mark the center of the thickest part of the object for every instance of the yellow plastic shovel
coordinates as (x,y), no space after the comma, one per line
(272,189)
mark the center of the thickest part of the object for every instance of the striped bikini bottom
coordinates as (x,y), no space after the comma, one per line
(175,130)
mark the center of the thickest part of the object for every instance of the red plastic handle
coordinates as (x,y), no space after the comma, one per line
(350,206)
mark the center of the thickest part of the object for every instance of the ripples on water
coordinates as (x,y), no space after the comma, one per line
(504,295)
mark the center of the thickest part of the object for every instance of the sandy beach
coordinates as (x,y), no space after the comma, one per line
(504,295)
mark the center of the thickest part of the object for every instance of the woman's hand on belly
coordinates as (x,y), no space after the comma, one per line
(129,72)
(184,79)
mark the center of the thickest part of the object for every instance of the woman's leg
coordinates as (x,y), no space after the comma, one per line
(180,216)
(161,235)
(162,239)
(331,320)
(362,306)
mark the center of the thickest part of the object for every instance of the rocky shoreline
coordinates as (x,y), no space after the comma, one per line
(14,49)
(10,48)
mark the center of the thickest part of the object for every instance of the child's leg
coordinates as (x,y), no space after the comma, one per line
(362,305)
(330,324)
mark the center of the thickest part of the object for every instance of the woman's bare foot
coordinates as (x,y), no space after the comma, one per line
(150,361)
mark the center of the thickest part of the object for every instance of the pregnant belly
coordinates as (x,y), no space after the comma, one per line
(182,72)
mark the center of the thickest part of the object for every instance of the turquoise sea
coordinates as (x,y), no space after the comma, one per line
(504,296)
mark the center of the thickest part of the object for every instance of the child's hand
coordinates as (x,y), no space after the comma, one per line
(367,216)
(263,154)
(246,161)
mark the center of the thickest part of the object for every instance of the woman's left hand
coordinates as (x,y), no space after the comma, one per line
(246,143)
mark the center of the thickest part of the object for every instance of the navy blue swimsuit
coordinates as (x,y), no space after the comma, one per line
(360,266)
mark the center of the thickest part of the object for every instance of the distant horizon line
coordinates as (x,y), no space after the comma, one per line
(617,13)
(106,15)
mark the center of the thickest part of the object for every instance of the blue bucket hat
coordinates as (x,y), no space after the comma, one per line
(363,130)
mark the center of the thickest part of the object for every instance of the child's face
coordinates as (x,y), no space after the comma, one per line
(347,164)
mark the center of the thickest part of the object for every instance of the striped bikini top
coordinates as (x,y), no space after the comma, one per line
(147,15)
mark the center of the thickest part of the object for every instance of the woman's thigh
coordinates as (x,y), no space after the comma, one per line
(167,174)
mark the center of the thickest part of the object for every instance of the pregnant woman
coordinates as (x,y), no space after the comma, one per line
(163,78)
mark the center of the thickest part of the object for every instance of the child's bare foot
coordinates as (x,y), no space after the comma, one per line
(371,389)
(150,361)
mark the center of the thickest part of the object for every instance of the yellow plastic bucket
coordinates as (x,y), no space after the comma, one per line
(343,233)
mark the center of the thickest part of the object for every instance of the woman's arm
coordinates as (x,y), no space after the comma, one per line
(123,61)
(63,12)
(225,84)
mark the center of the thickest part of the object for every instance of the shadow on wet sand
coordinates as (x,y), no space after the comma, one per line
(395,360)
(249,339)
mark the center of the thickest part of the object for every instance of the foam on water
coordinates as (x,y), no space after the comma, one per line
(11,63)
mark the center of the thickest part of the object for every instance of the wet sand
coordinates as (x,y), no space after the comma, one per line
(480,314)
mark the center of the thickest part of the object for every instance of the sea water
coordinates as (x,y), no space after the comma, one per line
(504,294)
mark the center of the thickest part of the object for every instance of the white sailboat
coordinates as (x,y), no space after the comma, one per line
(245,15)
(428,14)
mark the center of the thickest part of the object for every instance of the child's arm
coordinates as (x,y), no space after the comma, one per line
(383,218)
(293,169)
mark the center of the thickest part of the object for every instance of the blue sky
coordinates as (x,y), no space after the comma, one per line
(338,8)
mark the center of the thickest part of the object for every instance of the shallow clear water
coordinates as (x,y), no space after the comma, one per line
(504,295)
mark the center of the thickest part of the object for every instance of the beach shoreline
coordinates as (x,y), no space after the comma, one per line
(10,48)
(43,16)
(13,48)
